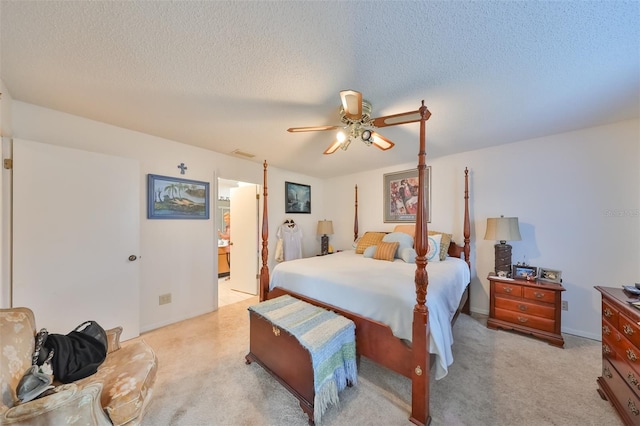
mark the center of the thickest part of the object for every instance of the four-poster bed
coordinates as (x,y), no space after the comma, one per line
(374,339)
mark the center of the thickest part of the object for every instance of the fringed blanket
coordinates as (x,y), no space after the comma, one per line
(329,338)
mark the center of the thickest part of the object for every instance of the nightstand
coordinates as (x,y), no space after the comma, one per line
(532,307)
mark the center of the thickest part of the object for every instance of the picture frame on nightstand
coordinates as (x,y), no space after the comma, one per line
(550,275)
(524,272)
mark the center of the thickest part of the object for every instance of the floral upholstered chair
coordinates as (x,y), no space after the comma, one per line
(117,394)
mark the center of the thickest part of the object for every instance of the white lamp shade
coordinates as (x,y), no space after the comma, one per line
(502,229)
(325,227)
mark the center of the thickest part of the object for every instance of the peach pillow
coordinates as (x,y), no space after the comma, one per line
(386,251)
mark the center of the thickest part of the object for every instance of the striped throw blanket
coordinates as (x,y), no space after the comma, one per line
(329,338)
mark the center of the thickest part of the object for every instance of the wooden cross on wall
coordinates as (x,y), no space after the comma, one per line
(182,168)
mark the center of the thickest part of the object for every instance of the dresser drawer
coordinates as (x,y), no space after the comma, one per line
(508,289)
(540,294)
(609,313)
(629,328)
(524,307)
(627,399)
(525,320)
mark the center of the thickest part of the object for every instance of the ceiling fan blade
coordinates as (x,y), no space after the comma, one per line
(352,104)
(381,142)
(333,147)
(394,120)
(311,129)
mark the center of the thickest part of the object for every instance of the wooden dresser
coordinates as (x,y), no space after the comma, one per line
(620,380)
(532,307)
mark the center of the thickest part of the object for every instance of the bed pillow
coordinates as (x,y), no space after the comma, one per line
(445,242)
(368,252)
(408,254)
(369,239)
(403,240)
(433,254)
(386,251)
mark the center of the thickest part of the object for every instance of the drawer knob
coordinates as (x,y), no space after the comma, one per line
(276,330)
(627,329)
(632,407)
(606,372)
(418,371)
(523,308)
(606,349)
(631,378)
(606,330)
(507,289)
(523,319)
(538,295)
(607,313)
(631,355)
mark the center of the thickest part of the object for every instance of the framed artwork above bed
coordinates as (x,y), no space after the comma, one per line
(400,195)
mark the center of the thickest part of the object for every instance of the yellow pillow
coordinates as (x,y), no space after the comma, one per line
(444,243)
(369,239)
(386,251)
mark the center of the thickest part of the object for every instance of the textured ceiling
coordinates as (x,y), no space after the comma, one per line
(236,75)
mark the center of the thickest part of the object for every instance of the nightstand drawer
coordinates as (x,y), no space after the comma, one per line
(524,307)
(508,289)
(540,294)
(525,320)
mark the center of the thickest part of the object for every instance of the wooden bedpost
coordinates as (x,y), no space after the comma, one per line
(420,336)
(355,220)
(467,226)
(264,271)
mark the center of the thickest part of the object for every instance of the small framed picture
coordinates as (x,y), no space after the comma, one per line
(297,198)
(524,272)
(550,275)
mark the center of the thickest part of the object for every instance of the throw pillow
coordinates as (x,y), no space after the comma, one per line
(444,243)
(369,251)
(403,240)
(369,239)
(386,251)
(408,254)
(433,254)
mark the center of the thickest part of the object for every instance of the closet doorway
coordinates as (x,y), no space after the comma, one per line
(241,202)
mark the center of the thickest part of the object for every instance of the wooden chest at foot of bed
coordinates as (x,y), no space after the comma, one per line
(284,358)
(285,352)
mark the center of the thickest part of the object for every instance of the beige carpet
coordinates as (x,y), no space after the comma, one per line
(498,378)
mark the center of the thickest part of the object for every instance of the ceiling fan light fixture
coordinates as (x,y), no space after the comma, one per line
(344,145)
(366,135)
(341,136)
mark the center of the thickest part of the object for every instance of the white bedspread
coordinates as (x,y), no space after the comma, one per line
(383,291)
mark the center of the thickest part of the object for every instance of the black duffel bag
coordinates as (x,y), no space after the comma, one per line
(78,354)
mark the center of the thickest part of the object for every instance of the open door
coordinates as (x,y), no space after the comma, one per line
(244,209)
(76,237)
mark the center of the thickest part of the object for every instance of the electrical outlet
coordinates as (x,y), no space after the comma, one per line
(565,305)
(164,299)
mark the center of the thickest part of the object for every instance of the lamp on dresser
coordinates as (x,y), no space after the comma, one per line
(502,229)
(325,227)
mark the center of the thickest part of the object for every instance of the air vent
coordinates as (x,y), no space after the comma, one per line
(242,153)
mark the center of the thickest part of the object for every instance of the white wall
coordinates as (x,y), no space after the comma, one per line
(179,257)
(576,196)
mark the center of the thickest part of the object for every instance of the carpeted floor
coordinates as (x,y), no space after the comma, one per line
(497,378)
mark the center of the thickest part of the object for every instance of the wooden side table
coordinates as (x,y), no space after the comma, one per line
(532,307)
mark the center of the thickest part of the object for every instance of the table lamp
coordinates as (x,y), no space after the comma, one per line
(324,227)
(502,229)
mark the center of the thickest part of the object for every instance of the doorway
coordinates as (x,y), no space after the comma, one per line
(238,252)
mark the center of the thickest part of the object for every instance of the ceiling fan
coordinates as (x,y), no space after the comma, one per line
(355,114)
